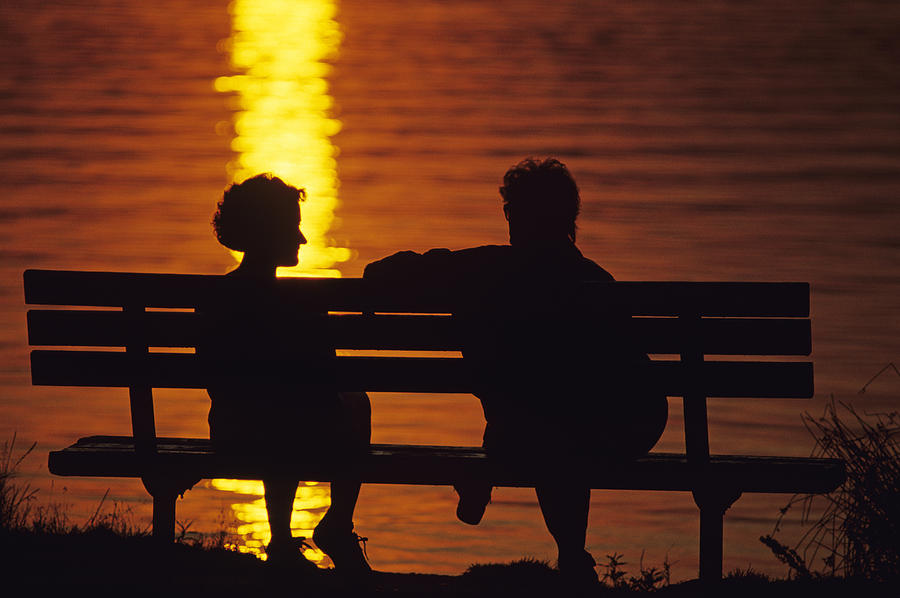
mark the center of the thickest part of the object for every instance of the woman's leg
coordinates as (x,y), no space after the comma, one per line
(334,534)
(279,493)
(283,549)
(345,492)
(358,414)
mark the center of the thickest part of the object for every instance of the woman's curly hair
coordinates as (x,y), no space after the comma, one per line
(251,210)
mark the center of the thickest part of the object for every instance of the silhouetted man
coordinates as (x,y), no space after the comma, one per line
(554,374)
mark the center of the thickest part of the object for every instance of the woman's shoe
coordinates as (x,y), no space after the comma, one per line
(345,548)
(289,553)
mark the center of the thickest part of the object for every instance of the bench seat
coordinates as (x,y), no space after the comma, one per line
(707,341)
(114,456)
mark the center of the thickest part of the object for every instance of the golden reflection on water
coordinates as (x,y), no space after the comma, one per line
(282,121)
(282,125)
(252,529)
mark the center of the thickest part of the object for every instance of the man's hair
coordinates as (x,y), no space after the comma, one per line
(251,209)
(543,189)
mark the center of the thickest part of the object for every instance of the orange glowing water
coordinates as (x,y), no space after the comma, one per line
(728,140)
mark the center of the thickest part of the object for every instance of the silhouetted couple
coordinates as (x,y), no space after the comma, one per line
(555,375)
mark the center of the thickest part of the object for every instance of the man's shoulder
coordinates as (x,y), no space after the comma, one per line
(583,268)
(594,271)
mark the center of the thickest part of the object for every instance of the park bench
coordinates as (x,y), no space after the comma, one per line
(136,328)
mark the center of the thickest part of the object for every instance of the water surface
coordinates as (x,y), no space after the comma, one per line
(716,140)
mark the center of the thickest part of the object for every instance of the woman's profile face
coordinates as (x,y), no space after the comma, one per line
(287,240)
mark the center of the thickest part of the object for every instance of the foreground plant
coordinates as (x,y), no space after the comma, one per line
(15,499)
(858,533)
(647,579)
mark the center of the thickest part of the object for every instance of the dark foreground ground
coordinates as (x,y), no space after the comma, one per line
(103,564)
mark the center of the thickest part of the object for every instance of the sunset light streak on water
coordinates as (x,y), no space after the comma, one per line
(282,120)
(282,125)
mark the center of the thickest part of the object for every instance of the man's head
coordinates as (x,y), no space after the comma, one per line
(261,216)
(540,202)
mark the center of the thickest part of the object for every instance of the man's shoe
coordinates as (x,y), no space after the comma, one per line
(345,548)
(578,569)
(473,500)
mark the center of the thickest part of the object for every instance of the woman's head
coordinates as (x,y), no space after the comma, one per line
(261,217)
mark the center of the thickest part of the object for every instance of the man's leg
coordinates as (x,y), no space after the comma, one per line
(565,508)
(474,495)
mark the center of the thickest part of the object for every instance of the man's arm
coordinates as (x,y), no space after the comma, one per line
(464,265)
(405,265)
(456,277)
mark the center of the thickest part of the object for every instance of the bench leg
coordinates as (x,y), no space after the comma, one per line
(164,517)
(165,492)
(712,504)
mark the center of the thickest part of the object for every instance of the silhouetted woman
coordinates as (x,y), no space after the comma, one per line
(273,419)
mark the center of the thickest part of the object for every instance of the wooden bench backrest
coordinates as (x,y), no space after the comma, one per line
(691,320)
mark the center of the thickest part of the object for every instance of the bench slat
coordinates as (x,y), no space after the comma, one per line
(114,456)
(398,374)
(714,336)
(117,289)
(75,328)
